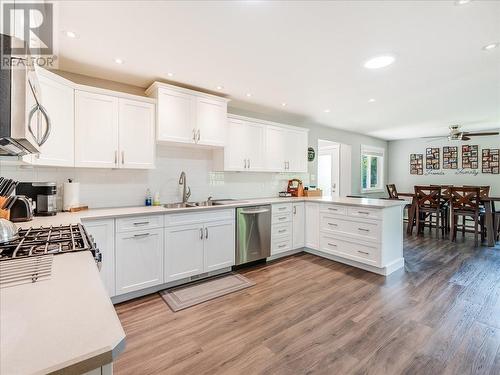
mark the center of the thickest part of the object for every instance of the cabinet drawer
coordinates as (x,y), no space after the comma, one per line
(333,209)
(282,208)
(368,213)
(198,217)
(282,218)
(360,252)
(281,230)
(139,222)
(281,245)
(353,228)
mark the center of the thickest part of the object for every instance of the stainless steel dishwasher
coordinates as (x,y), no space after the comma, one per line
(253,233)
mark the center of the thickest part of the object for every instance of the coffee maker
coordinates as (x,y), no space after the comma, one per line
(44,194)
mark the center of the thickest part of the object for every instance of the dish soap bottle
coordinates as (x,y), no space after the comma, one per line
(156,199)
(148,200)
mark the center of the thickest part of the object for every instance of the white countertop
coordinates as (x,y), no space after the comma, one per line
(65,321)
(65,218)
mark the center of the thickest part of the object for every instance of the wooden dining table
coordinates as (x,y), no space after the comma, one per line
(489,208)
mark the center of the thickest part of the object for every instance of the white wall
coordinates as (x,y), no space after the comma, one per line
(399,170)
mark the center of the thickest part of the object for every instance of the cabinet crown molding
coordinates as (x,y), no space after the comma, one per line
(265,122)
(151,90)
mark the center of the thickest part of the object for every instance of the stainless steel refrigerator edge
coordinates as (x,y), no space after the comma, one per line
(253,233)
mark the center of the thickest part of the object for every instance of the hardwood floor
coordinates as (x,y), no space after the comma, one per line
(308,315)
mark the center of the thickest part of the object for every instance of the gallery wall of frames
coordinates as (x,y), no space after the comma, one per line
(485,160)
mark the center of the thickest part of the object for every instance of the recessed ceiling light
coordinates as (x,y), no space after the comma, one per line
(379,62)
(371,100)
(490,46)
(170,74)
(219,87)
(283,104)
(462,2)
(326,110)
(118,61)
(70,34)
(248,95)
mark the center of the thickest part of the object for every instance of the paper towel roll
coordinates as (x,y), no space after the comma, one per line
(71,195)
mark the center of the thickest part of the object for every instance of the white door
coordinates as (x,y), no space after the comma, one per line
(183,251)
(255,146)
(211,119)
(298,221)
(312,225)
(296,151)
(58,100)
(137,134)
(329,170)
(235,154)
(103,233)
(175,120)
(96,130)
(219,245)
(139,260)
(275,149)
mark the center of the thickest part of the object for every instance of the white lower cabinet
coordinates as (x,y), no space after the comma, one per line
(219,245)
(139,260)
(103,233)
(298,221)
(312,225)
(288,225)
(183,251)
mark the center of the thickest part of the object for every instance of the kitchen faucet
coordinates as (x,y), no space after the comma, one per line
(185,194)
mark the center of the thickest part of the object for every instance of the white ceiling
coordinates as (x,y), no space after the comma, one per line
(307,54)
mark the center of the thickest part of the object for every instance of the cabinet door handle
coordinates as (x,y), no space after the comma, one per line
(116,156)
(199,134)
(248,163)
(364,229)
(201,233)
(363,252)
(194,135)
(282,231)
(206,233)
(141,235)
(123,157)
(332,244)
(332,209)
(295,210)
(282,218)
(363,212)
(333,224)
(281,246)
(142,223)
(245,161)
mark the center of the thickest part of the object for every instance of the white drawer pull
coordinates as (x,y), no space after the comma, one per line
(140,235)
(363,212)
(282,246)
(363,252)
(281,208)
(333,224)
(282,218)
(333,209)
(364,229)
(332,244)
(282,231)
(142,223)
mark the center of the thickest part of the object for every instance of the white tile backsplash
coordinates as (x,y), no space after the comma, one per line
(116,187)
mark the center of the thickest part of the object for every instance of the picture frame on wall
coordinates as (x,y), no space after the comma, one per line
(417,164)
(450,157)
(432,158)
(470,156)
(490,162)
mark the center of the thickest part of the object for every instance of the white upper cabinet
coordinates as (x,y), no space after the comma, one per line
(275,149)
(58,100)
(296,151)
(137,134)
(113,132)
(96,130)
(244,150)
(174,116)
(189,117)
(211,121)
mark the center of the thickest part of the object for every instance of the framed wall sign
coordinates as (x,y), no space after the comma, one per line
(311,154)
(432,158)
(450,157)
(417,164)
(490,161)
(470,157)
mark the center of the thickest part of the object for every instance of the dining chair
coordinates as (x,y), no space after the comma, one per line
(428,204)
(393,194)
(484,192)
(465,202)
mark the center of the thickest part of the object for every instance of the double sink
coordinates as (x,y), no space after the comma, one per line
(207,203)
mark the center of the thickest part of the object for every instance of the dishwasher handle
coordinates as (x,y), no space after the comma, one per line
(251,212)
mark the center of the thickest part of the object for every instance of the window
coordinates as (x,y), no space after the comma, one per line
(372,169)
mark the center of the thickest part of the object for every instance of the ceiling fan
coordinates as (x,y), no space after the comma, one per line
(457,135)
